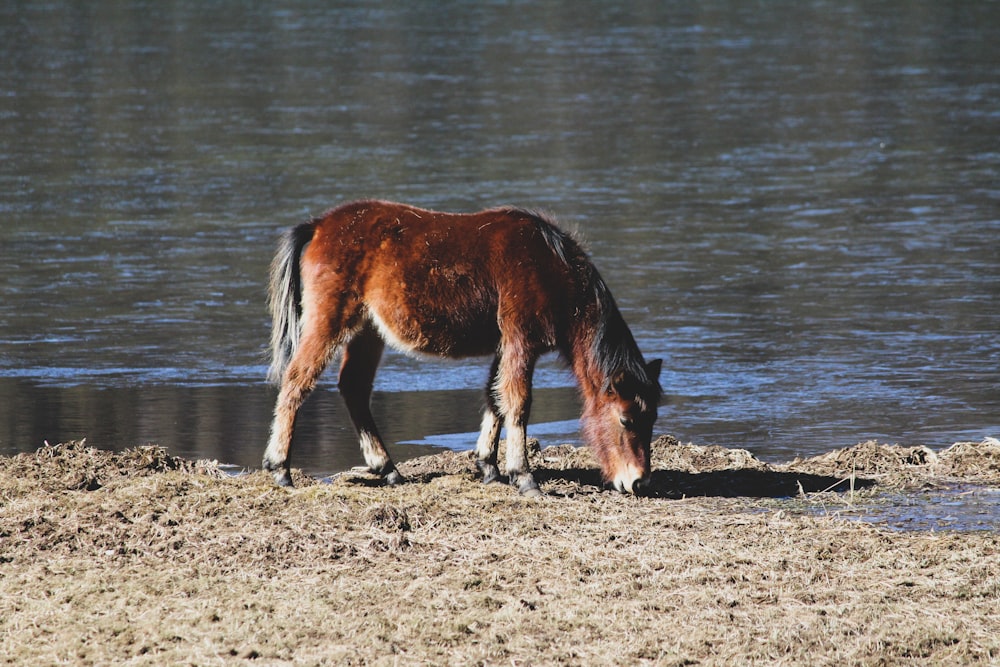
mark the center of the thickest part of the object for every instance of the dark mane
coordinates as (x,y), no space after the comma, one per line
(564,246)
(613,347)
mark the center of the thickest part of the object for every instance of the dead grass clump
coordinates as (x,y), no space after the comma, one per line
(75,466)
(668,453)
(972,461)
(390,527)
(425,468)
(890,465)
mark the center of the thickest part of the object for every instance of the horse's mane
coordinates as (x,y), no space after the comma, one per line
(613,348)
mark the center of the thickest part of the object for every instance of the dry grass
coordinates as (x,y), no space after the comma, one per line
(141,558)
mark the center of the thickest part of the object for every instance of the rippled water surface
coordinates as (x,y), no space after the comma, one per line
(797,206)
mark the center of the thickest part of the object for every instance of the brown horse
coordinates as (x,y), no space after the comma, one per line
(504,282)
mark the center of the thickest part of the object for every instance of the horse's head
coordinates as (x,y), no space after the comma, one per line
(618,424)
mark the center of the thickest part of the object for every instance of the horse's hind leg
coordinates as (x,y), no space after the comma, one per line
(310,359)
(357,375)
(489,436)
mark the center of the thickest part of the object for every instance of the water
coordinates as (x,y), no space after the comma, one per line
(962,508)
(795,204)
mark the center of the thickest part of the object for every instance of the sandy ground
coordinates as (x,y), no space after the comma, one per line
(143,558)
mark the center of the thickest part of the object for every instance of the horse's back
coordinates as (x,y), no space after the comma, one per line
(439,283)
(388,236)
(383,222)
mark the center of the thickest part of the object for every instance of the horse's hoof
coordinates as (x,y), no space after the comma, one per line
(393,478)
(283,478)
(281,474)
(526,485)
(491,473)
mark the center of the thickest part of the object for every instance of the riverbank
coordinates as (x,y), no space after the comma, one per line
(144,558)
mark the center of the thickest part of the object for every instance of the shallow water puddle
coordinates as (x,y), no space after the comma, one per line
(956,508)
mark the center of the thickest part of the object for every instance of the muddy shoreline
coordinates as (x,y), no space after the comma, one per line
(144,558)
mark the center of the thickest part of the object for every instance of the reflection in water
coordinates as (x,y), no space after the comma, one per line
(794,205)
(229,423)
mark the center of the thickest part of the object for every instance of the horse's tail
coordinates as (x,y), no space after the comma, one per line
(285,298)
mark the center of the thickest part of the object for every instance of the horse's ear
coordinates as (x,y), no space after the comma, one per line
(653,369)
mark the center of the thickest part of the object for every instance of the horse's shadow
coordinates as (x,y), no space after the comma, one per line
(720,483)
(671,484)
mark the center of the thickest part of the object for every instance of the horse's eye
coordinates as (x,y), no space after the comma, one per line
(625,421)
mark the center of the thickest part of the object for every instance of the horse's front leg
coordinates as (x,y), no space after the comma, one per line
(489,435)
(513,389)
(517,468)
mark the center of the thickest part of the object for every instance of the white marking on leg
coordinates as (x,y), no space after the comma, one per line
(270,454)
(372,449)
(489,436)
(517,449)
(281,436)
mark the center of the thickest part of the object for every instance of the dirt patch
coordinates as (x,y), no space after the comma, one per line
(144,558)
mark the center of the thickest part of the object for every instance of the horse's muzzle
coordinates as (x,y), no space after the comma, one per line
(631,480)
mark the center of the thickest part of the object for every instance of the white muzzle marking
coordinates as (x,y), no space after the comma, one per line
(625,480)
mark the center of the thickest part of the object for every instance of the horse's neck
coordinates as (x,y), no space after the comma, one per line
(601,342)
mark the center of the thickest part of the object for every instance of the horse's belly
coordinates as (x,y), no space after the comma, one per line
(423,302)
(425,332)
